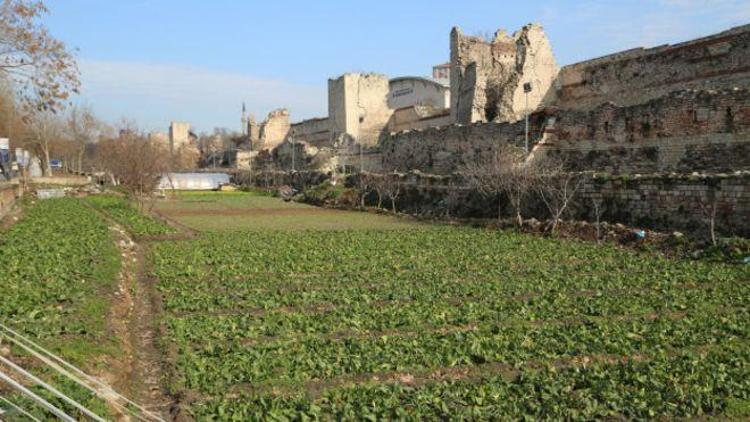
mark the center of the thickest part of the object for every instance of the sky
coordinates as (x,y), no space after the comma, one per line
(154,61)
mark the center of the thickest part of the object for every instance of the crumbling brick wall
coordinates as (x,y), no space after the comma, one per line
(684,131)
(636,76)
(672,202)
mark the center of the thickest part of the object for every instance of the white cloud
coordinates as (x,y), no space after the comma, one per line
(154,94)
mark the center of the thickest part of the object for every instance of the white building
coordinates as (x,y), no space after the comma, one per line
(411,91)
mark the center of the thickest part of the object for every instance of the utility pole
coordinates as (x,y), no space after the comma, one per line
(526,90)
(293,154)
(361,158)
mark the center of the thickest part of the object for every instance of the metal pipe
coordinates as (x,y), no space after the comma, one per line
(19,409)
(52,357)
(52,389)
(44,403)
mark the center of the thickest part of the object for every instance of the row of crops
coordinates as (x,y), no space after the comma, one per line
(439,322)
(125,214)
(58,267)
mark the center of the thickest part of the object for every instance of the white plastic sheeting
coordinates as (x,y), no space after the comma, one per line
(193,181)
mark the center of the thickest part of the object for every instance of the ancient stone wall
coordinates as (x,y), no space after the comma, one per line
(672,202)
(443,150)
(487,78)
(418,117)
(682,132)
(274,129)
(313,131)
(635,76)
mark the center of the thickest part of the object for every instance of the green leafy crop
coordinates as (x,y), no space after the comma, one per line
(136,222)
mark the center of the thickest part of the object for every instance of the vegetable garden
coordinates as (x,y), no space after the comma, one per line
(441,322)
(384,319)
(58,267)
(136,222)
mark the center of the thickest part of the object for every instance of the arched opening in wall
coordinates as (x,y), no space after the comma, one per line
(606,127)
(490,111)
(645,128)
(729,120)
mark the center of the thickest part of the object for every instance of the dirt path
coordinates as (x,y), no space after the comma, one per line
(119,369)
(137,371)
(149,363)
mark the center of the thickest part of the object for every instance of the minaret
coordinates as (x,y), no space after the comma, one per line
(244,120)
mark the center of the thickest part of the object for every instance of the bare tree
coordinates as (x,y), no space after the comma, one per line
(385,186)
(598,204)
(136,162)
(556,187)
(504,173)
(366,183)
(709,207)
(82,127)
(45,129)
(43,70)
(391,186)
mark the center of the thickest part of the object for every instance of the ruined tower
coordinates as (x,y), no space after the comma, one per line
(358,106)
(487,78)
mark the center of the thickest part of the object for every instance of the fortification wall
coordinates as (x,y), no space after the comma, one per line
(635,76)
(409,118)
(682,132)
(672,202)
(358,106)
(315,132)
(275,128)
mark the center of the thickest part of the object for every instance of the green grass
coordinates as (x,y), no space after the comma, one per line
(134,221)
(433,322)
(59,266)
(199,200)
(231,211)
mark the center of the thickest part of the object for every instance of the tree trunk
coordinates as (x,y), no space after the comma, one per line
(47,167)
(81,152)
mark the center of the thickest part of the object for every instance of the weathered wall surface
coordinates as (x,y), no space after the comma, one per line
(442,150)
(636,76)
(358,106)
(487,78)
(674,202)
(313,131)
(275,128)
(418,117)
(682,132)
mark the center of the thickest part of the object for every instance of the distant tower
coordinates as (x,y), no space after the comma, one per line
(244,120)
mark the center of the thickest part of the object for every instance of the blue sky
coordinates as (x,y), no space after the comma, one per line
(156,61)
